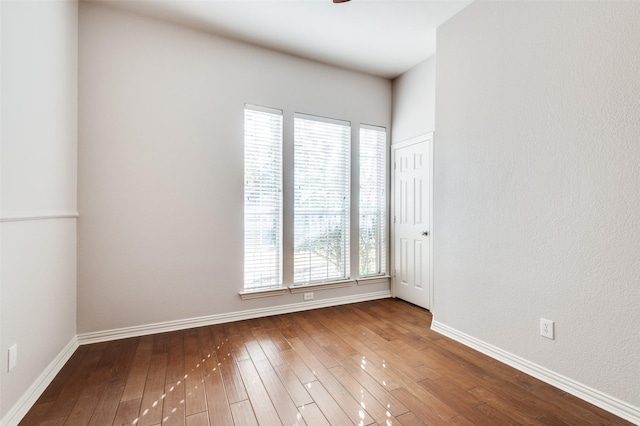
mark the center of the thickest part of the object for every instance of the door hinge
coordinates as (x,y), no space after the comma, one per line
(394,219)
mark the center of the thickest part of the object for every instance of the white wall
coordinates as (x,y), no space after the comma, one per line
(536,185)
(161,167)
(414,101)
(38,168)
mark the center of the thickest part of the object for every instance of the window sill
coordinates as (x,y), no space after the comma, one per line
(279,291)
(378,279)
(320,286)
(256,294)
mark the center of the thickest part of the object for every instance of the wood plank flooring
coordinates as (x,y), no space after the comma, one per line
(371,363)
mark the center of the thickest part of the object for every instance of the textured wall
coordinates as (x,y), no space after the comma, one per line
(537,188)
(39,125)
(414,101)
(161,163)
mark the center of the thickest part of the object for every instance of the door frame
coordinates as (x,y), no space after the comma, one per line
(427,137)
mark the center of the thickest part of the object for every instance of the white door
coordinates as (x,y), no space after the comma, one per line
(412,220)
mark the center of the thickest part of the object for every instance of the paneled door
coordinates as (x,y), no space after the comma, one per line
(412,206)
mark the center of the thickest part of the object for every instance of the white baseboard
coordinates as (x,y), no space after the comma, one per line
(163,327)
(26,401)
(593,396)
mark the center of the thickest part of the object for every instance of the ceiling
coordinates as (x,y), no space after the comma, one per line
(379,37)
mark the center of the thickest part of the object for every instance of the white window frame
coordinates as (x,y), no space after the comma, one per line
(263,260)
(373,185)
(351,210)
(314,199)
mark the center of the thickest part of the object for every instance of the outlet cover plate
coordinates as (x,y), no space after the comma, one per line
(546,328)
(308,296)
(13,357)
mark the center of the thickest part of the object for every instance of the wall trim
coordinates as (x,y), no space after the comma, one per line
(163,327)
(593,396)
(26,401)
(46,215)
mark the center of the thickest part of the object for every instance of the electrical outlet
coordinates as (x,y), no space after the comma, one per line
(546,328)
(308,296)
(13,357)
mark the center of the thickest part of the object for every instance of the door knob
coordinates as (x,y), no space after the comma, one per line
(425,233)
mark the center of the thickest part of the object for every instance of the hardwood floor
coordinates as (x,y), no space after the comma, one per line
(371,363)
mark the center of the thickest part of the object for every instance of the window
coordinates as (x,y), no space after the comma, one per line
(262,197)
(316,202)
(373,201)
(321,199)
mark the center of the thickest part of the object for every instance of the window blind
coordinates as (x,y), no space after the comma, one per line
(373,201)
(262,197)
(321,199)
